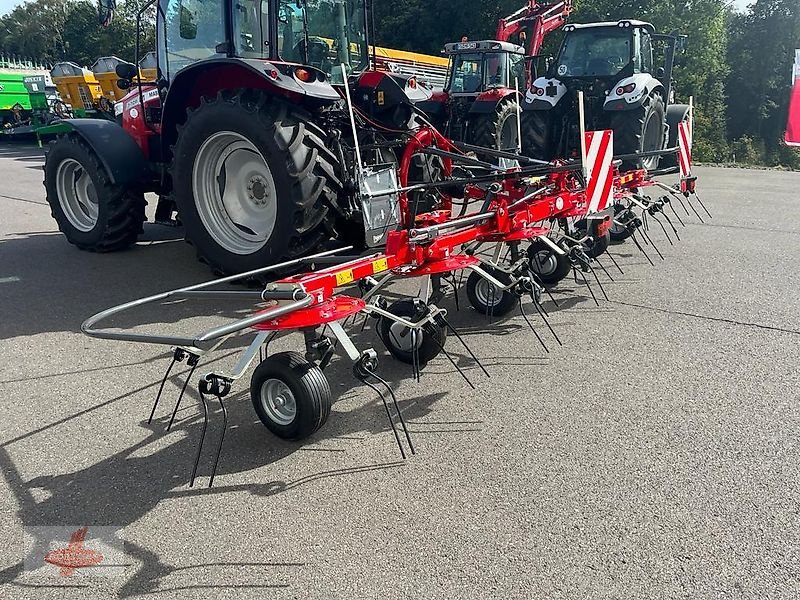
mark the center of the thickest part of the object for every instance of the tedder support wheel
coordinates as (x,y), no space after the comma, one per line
(600,244)
(497,129)
(550,266)
(291,396)
(640,130)
(93,213)
(618,233)
(486,298)
(398,339)
(252,180)
(539,138)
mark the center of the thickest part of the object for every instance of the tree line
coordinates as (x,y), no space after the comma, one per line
(737,65)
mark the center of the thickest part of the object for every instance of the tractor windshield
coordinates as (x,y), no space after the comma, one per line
(324,34)
(596,52)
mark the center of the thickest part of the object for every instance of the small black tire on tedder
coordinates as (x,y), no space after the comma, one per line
(620,232)
(598,244)
(486,298)
(291,396)
(400,340)
(547,264)
(92,212)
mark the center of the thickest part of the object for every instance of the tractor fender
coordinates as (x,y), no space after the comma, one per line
(208,77)
(487,101)
(641,85)
(675,114)
(435,105)
(544,94)
(116,149)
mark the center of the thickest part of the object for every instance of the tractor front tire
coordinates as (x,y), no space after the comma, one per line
(252,180)
(640,130)
(93,213)
(497,129)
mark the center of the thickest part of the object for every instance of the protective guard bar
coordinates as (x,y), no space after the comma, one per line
(635,155)
(205,339)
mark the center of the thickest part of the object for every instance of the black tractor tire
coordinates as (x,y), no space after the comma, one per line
(676,113)
(303,170)
(616,233)
(599,245)
(393,334)
(310,392)
(548,265)
(480,297)
(120,211)
(631,132)
(497,129)
(539,135)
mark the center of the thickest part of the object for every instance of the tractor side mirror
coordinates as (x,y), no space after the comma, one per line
(123,84)
(660,72)
(125,70)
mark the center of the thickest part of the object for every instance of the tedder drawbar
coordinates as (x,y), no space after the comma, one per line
(505,204)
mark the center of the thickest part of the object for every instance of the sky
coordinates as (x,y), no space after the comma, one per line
(7,5)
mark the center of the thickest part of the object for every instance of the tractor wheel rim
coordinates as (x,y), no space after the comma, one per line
(239,206)
(278,401)
(400,337)
(77,195)
(651,140)
(488,294)
(544,263)
(508,134)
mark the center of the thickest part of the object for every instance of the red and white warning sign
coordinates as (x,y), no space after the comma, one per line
(792,135)
(685,148)
(599,170)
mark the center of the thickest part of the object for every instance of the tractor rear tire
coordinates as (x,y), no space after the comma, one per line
(497,129)
(93,213)
(640,130)
(539,134)
(283,179)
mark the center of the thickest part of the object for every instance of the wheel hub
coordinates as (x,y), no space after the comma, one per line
(258,191)
(278,401)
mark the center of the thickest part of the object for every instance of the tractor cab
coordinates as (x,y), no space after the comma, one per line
(476,67)
(323,34)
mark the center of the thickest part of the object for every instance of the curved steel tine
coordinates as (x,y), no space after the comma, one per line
(180,397)
(530,325)
(602,266)
(703,205)
(221,439)
(388,414)
(546,321)
(613,260)
(694,210)
(597,279)
(675,212)
(202,437)
(671,225)
(453,362)
(161,388)
(650,241)
(463,343)
(664,229)
(639,246)
(586,281)
(389,389)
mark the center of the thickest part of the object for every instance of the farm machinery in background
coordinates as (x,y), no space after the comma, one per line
(479,103)
(612,64)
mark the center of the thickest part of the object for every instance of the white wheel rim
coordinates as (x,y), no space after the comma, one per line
(487,293)
(278,401)
(77,195)
(234,193)
(544,263)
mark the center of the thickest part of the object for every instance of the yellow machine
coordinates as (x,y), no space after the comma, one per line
(78,87)
(147,67)
(104,70)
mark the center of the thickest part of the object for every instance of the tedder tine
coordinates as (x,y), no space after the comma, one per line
(600,285)
(672,206)
(602,266)
(530,325)
(703,205)
(650,242)
(542,314)
(193,361)
(453,362)
(664,229)
(639,246)
(464,343)
(586,281)
(161,387)
(202,435)
(613,260)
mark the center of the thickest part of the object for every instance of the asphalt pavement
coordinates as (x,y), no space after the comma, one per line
(654,455)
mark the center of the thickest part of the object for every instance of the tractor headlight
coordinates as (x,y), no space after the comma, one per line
(626,89)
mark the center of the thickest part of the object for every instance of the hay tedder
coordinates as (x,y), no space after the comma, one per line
(304,172)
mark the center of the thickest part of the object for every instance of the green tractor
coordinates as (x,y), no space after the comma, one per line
(612,63)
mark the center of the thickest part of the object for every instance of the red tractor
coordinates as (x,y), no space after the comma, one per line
(481,98)
(245,133)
